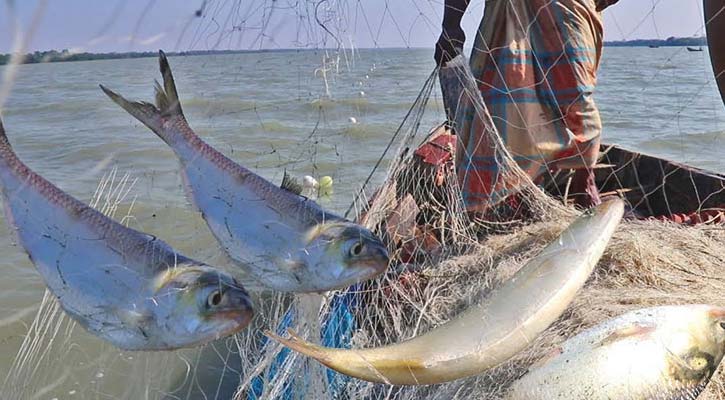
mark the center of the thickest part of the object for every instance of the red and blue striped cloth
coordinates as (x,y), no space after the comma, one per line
(535,64)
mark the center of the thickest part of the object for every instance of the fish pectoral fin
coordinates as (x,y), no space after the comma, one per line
(127,320)
(300,345)
(627,332)
(135,318)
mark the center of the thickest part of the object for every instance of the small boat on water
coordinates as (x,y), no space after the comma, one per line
(653,46)
(694,48)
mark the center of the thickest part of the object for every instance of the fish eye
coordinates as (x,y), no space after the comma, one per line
(357,249)
(722,324)
(697,363)
(214,299)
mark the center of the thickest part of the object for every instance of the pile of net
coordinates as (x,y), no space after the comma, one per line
(647,263)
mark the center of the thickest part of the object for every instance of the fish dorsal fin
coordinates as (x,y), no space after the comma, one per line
(627,332)
(291,184)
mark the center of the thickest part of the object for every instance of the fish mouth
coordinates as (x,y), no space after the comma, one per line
(241,319)
(377,261)
(356,275)
(371,266)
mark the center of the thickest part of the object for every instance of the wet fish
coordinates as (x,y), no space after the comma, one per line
(663,353)
(283,239)
(126,287)
(489,333)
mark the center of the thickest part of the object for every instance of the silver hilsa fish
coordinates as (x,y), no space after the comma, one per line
(286,241)
(124,286)
(667,353)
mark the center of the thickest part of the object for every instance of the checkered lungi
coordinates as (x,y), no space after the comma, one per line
(535,62)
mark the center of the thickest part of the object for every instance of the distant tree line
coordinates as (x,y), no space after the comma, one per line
(65,55)
(670,41)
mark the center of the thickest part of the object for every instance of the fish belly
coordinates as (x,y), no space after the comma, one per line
(630,370)
(88,278)
(249,229)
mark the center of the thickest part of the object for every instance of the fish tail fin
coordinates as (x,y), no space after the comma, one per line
(167,101)
(167,98)
(145,112)
(296,343)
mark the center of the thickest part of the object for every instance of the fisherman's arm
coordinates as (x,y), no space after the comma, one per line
(450,42)
(715,25)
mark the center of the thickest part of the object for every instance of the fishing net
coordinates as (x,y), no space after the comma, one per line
(444,260)
(647,263)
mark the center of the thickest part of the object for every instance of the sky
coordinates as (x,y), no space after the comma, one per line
(147,25)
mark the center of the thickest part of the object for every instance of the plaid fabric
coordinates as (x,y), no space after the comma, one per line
(535,62)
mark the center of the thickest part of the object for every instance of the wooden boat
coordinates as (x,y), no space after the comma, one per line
(652,186)
(694,48)
(655,187)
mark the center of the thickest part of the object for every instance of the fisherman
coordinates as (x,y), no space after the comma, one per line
(535,62)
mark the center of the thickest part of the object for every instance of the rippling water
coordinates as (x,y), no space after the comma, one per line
(271,112)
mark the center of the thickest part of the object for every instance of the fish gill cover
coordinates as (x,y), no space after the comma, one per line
(341,104)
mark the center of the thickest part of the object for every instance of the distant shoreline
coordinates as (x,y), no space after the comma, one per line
(66,56)
(669,42)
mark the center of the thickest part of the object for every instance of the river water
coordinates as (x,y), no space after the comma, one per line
(271,112)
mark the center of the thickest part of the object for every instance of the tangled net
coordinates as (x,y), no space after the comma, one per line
(647,263)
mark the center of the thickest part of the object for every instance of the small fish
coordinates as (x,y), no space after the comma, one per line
(489,333)
(664,353)
(126,287)
(283,239)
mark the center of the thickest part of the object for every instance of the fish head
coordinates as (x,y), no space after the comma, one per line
(712,332)
(197,304)
(698,347)
(344,253)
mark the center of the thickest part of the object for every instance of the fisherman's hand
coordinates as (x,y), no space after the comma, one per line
(449,45)
(602,4)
